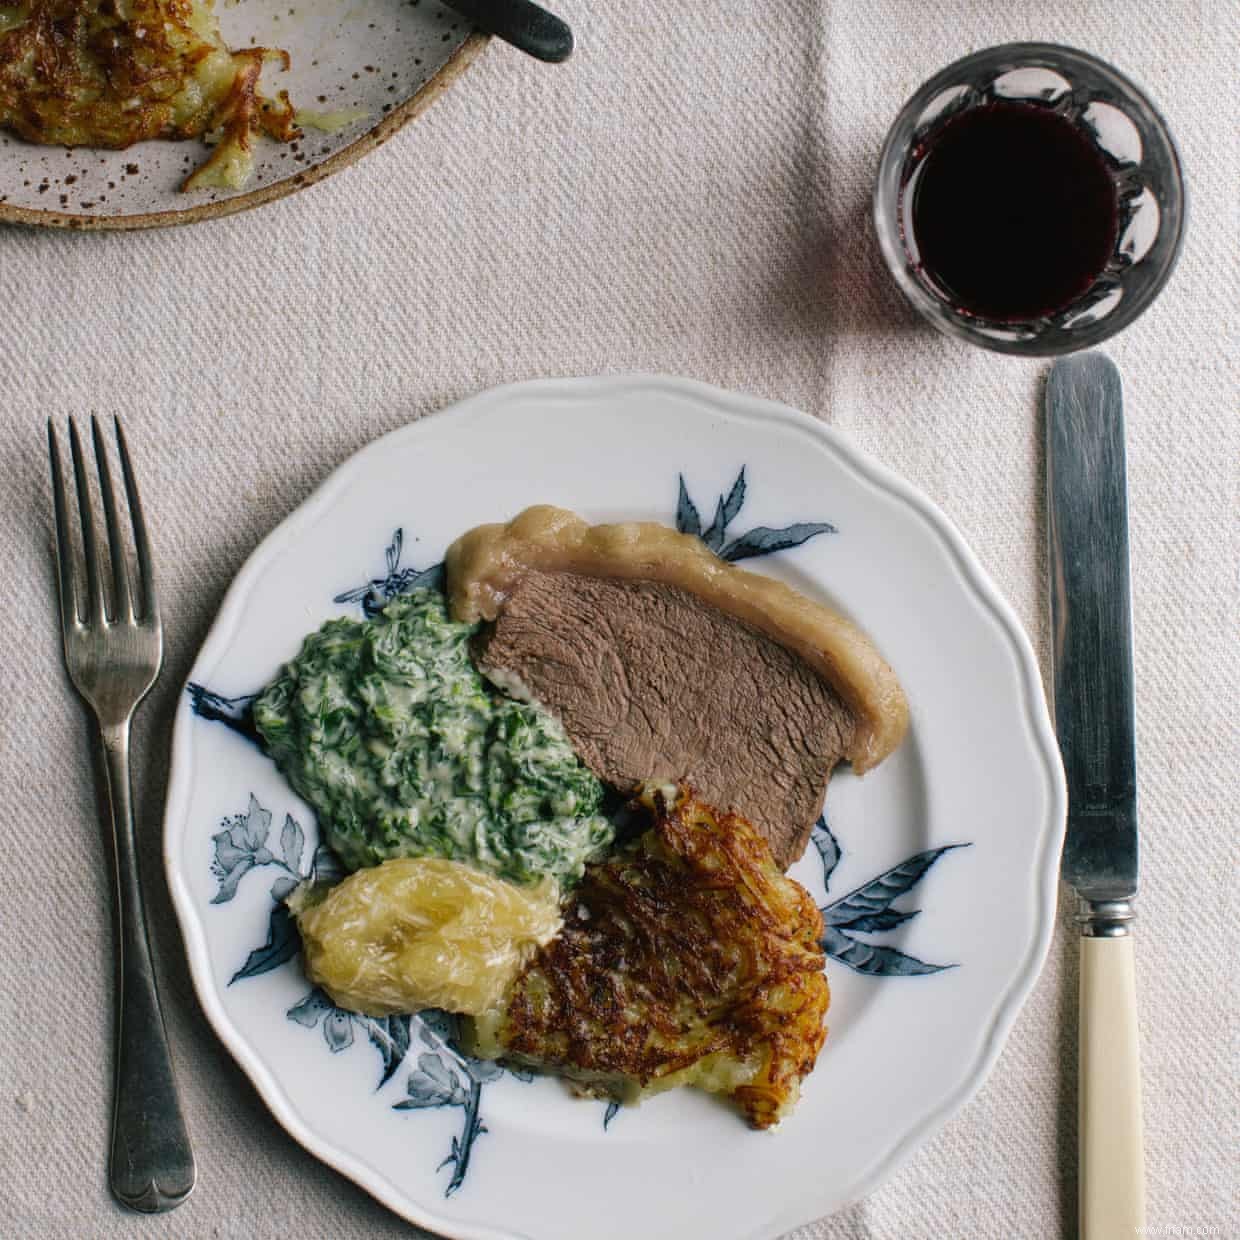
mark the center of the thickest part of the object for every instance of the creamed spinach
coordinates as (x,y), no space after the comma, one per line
(389,732)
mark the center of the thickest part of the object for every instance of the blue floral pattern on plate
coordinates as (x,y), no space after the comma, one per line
(444,1076)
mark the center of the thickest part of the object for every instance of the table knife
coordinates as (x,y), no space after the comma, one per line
(1091,628)
(524,24)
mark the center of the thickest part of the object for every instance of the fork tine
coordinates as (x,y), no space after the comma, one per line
(64,544)
(149,603)
(90,543)
(122,608)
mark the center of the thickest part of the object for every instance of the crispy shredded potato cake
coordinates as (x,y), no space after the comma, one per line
(686,958)
(113,72)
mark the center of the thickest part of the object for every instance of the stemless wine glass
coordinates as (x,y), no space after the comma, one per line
(1125,129)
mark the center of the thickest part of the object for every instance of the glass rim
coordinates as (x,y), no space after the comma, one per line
(893,157)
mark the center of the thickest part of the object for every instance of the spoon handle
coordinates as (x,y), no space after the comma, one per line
(522,23)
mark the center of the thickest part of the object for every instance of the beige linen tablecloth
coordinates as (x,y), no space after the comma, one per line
(690,194)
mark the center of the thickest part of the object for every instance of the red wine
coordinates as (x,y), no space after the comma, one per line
(1014,212)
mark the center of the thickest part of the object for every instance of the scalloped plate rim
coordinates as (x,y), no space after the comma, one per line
(982,592)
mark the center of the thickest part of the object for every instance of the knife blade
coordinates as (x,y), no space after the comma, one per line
(1091,627)
(1091,624)
(524,24)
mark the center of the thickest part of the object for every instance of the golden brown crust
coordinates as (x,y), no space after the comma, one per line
(686,957)
(85,72)
(484,564)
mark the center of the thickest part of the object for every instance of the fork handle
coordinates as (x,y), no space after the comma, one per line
(152,1165)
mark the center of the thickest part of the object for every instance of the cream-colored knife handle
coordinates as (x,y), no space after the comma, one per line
(1112,1167)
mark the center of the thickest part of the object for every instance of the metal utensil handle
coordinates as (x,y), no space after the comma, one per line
(522,23)
(152,1165)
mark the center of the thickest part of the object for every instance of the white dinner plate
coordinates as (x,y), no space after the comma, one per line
(964,823)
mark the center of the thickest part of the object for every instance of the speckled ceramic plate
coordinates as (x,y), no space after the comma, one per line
(385,59)
(964,823)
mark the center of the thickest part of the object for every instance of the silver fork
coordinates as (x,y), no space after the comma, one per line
(113,655)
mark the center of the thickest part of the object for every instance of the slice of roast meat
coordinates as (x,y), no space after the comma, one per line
(664,662)
(650,682)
